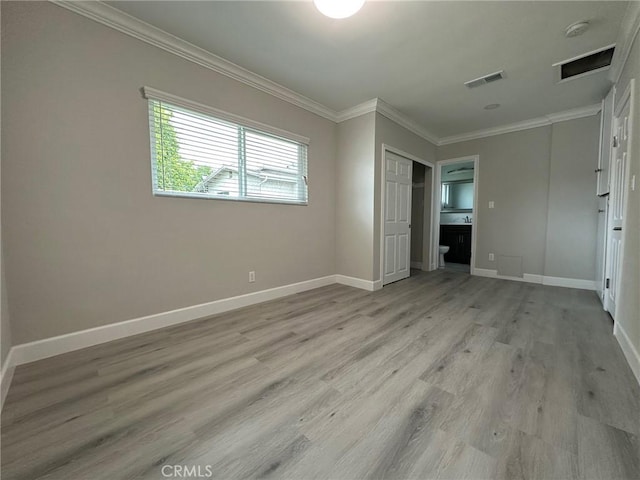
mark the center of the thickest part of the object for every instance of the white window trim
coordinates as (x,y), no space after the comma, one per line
(152,94)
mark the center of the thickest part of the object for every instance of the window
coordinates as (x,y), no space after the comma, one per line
(197,151)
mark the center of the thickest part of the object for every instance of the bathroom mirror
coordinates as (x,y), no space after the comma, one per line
(457,196)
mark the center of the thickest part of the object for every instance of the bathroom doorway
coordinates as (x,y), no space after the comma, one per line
(456,221)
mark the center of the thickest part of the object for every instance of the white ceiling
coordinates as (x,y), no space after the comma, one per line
(414,55)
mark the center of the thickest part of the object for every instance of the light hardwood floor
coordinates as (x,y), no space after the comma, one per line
(442,375)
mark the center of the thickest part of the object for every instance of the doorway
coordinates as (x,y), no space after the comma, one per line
(407,202)
(456,221)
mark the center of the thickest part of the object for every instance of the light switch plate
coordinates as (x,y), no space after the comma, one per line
(491,204)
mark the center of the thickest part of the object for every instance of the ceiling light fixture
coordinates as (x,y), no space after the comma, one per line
(338,8)
(492,106)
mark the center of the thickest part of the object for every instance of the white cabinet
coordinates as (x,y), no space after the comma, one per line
(604,159)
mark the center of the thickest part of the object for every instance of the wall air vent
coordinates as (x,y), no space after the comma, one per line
(585,64)
(492,77)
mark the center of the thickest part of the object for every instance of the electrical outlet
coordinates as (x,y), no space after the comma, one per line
(633,183)
(252,277)
(491,257)
(491,204)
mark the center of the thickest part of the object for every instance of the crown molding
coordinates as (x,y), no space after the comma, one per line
(129,25)
(574,113)
(360,109)
(524,125)
(628,33)
(401,119)
(383,108)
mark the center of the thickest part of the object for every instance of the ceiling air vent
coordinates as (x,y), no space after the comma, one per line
(586,64)
(492,77)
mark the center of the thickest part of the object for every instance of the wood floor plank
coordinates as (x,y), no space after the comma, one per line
(442,375)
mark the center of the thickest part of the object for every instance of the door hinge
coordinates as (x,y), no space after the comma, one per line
(606,283)
(615,141)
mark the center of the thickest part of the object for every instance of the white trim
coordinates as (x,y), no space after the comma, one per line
(357,111)
(402,153)
(8,367)
(545,120)
(356,282)
(527,277)
(129,25)
(416,265)
(540,279)
(570,283)
(438,198)
(630,352)
(401,119)
(151,93)
(575,113)
(628,33)
(383,108)
(48,347)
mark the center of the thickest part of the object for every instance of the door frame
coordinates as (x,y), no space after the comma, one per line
(437,198)
(388,148)
(627,96)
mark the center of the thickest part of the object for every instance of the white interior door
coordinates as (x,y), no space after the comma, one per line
(397,218)
(622,130)
(604,159)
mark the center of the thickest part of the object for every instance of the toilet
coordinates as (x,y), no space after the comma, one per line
(443,249)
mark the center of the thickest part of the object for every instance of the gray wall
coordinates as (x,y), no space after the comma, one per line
(628,315)
(354,197)
(89,243)
(5,326)
(573,220)
(390,133)
(540,179)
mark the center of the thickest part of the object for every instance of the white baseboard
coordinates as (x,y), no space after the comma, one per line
(357,282)
(539,279)
(49,347)
(570,283)
(8,367)
(629,350)
(527,277)
(416,265)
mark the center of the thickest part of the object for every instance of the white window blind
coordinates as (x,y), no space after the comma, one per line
(197,154)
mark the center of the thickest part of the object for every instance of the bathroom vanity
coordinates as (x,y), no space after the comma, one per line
(458,239)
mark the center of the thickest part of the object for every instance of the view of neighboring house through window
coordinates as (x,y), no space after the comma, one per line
(198,155)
